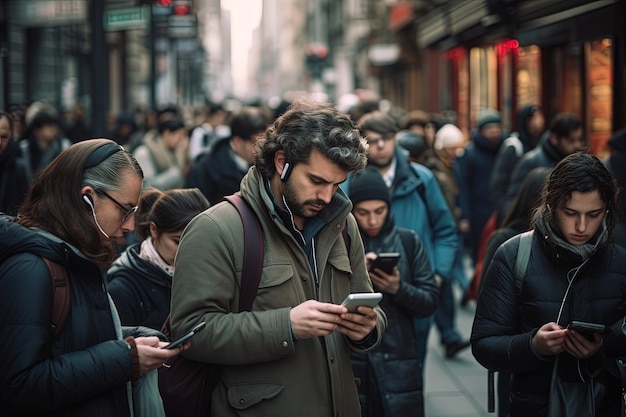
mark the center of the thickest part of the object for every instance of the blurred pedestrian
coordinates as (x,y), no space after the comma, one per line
(140,280)
(43,142)
(530,129)
(14,180)
(161,156)
(409,292)
(566,136)
(78,203)
(473,167)
(219,172)
(574,272)
(77,128)
(616,164)
(212,128)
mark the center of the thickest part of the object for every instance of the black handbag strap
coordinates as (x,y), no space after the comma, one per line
(253,251)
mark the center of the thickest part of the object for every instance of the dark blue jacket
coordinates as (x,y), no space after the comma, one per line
(215,173)
(472,171)
(83,372)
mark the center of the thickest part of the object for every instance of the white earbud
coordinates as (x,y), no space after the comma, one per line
(93,212)
(283,174)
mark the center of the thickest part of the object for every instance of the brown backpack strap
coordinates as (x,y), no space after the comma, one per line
(60,296)
(253,251)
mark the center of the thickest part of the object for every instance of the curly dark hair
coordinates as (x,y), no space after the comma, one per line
(306,126)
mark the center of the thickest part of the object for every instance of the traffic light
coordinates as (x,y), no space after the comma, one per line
(163,3)
(316,55)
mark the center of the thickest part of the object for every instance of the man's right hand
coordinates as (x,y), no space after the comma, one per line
(313,318)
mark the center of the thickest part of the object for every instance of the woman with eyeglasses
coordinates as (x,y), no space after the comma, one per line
(76,206)
(574,272)
(140,280)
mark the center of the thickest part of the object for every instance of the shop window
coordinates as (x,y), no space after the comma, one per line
(600,81)
(483,81)
(528,77)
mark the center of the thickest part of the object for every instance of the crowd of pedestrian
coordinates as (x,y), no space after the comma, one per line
(138,226)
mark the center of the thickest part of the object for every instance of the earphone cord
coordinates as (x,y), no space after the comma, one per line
(569,285)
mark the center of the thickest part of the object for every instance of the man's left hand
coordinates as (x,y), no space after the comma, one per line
(358,325)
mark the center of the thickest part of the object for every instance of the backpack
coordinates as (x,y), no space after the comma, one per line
(60,297)
(519,271)
(186,385)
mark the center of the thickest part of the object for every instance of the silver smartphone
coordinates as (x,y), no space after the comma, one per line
(370,299)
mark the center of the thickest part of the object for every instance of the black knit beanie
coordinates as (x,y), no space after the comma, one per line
(368,185)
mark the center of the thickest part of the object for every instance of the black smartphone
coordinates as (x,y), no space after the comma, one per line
(178,342)
(385,262)
(587,329)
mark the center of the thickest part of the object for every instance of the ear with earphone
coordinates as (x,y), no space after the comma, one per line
(286,171)
(89,201)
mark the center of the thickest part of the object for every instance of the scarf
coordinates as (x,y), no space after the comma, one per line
(149,253)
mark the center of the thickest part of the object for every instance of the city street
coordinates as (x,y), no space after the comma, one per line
(455,387)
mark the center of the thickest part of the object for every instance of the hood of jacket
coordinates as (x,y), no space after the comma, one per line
(529,141)
(405,180)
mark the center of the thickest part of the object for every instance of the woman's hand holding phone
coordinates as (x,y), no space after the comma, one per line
(151,354)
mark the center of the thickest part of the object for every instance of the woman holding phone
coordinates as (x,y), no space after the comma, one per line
(574,272)
(77,205)
(409,291)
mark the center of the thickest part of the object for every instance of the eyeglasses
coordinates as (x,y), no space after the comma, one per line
(385,138)
(126,211)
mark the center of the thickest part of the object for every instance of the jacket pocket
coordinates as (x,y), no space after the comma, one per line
(340,274)
(276,288)
(274,275)
(244,396)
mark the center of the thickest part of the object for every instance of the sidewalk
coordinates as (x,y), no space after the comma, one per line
(455,387)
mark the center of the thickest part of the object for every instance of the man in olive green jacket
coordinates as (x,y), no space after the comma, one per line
(290,355)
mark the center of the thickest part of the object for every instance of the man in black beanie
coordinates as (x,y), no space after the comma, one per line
(409,292)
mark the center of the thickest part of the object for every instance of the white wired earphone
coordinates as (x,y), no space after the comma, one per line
(93,212)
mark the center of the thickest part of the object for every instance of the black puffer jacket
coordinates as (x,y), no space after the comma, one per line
(140,289)
(81,373)
(395,364)
(505,323)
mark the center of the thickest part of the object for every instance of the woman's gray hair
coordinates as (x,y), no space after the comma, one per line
(107,175)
